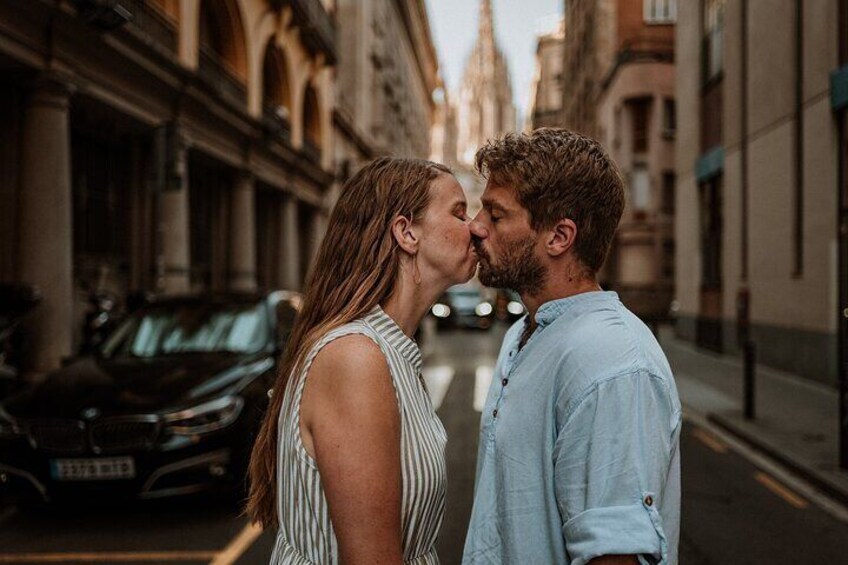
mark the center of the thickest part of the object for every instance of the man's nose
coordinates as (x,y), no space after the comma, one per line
(478,230)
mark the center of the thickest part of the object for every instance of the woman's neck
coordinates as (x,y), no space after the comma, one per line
(409,303)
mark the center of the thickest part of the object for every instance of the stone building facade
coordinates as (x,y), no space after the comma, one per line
(762,89)
(386,76)
(160,145)
(546,95)
(619,77)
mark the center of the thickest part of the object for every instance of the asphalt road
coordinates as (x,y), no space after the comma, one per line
(733,512)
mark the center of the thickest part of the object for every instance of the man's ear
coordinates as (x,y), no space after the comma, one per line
(561,238)
(405,236)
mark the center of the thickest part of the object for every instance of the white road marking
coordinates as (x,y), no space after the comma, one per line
(791,480)
(482,382)
(438,380)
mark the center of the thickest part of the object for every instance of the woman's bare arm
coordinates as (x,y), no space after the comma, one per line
(350,424)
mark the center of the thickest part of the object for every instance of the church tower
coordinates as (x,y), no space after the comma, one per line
(485,108)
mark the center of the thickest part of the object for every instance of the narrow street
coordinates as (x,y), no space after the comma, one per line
(733,512)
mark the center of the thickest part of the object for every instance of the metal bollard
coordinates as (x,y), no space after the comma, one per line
(750,367)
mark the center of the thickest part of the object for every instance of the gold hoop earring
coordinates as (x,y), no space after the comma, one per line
(416,272)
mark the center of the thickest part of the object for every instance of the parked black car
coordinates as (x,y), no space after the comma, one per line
(169,403)
(16,302)
(463,306)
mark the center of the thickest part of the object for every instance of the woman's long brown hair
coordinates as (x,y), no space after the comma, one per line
(356,269)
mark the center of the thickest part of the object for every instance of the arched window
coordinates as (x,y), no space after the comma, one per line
(276,97)
(311,123)
(222,44)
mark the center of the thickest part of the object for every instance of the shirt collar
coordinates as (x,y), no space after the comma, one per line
(384,325)
(571,306)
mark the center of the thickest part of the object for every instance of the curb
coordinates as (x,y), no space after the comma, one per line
(809,474)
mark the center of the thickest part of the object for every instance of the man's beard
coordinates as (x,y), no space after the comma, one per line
(517,268)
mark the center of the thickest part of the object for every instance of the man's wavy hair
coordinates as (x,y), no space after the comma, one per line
(557,174)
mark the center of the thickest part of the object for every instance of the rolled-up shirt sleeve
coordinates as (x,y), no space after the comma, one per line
(611,458)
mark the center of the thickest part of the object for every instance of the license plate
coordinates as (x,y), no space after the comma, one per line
(102,468)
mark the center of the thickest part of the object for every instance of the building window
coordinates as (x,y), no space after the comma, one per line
(668,259)
(667,206)
(640,188)
(711,234)
(660,11)
(669,118)
(713,39)
(639,109)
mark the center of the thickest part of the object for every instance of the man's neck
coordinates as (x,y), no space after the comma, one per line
(553,291)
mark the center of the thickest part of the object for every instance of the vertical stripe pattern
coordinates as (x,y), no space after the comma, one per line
(306,533)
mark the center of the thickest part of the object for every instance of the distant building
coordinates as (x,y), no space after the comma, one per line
(546,95)
(443,134)
(618,73)
(762,190)
(485,109)
(386,78)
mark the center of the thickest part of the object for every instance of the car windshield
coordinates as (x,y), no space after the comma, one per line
(465,297)
(170,329)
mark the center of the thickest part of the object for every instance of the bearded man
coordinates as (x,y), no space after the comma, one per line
(578,459)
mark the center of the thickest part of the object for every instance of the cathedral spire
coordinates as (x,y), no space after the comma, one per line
(486,27)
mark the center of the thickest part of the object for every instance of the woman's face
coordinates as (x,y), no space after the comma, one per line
(446,254)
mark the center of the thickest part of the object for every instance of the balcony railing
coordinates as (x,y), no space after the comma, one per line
(275,124)
(317,27)
(151,25)
(312,151)
(220,79)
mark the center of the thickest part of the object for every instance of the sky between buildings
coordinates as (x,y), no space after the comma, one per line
(517,23)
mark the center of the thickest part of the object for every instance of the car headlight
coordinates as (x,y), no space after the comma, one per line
(483,309)
(441,310)
(8,427)
(515,308)
(204,418)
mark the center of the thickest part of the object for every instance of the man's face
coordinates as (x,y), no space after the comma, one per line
(506,244)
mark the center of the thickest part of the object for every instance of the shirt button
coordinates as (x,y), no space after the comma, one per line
(495,413)
(649,501)
(505,382)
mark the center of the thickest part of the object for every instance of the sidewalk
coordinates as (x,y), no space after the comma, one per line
(797,421)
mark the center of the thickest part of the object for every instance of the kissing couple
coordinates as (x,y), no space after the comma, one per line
(578,454)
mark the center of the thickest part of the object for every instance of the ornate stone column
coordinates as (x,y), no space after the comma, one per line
(175,217)
(243,234)
(46,230)
(289,251)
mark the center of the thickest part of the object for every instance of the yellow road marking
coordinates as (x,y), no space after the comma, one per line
(239,545)
(780,490)
(108,557)
(709,440)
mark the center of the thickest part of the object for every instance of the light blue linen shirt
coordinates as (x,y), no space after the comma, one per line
(579,442)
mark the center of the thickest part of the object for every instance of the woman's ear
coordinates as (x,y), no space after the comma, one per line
(562,237)
(404,234)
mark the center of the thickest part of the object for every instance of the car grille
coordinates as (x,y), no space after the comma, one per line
(67,437)
(58,436)
(127,435)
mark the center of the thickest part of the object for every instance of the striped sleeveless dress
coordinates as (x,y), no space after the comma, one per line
(306,533)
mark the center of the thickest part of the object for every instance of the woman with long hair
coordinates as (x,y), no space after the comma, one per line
(349,463)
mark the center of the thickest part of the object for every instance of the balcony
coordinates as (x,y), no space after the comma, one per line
(311,151)
(151,25)
(220,79)
(275,124)
(317,28)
